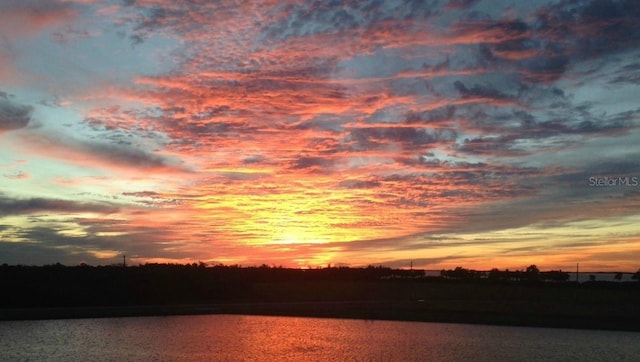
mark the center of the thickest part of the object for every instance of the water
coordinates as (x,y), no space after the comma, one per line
(257,338)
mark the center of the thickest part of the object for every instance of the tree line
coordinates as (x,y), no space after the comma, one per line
(159,284)
(531,274)
(152,283)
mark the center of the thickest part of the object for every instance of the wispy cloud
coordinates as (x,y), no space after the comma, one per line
(10,206)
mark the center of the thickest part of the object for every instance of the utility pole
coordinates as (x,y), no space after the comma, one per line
(577,271)
(124,260)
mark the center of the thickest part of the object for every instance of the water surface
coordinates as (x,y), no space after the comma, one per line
(258,338)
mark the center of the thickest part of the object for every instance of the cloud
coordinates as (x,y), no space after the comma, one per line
(35,253)
(490,30)
(120,152)
(570,32)
(438,116)
(12,206)
(410,137)
(311,163)
(359,184)
(150,194)
(311,18)
(552,40)
(28,17)
(41,244)
(481,92)
(593,26)
(17,175)
(460,4)
(14,116)
(125,155)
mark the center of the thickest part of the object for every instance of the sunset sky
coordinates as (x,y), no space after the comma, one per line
(305,133)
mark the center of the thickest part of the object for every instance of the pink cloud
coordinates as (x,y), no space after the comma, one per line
(26,18)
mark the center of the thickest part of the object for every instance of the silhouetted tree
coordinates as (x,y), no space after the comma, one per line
(532,273)
(636,275)
(461,273)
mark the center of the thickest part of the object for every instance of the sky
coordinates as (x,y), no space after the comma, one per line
(435,133)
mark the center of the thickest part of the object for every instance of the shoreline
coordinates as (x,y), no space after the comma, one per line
(515,313)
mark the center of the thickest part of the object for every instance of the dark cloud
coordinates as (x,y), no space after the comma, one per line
(491,31)
(254,159)
(128,156)
(152,199)
(472,171)
(10,206)
(577,30)
(152,18)
(122,150)
(492,146)
(437,116)
(374,137)
(317,17)
(545,69)
(556,38)
(151,194)
(514,48)
(511,140)
(629,73)
(480,92)
(597,25)
(359,184)
(242,176)
(437,67)
(311,67)
(449,183)
(14,116)
(311,163)
(46,245)
(321,122)
(34,253)
(460,4)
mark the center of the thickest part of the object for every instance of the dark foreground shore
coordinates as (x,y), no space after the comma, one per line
(371,293)
(510,313)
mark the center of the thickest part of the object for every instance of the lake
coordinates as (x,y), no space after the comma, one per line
(261,338)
